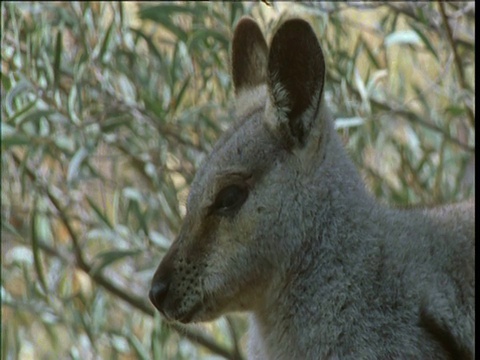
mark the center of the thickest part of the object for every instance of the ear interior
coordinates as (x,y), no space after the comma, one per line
(249,55)
(296,73)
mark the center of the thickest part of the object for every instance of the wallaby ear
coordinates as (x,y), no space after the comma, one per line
(249,55)
(296,74)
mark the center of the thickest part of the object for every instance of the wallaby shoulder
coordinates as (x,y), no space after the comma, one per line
(403,281)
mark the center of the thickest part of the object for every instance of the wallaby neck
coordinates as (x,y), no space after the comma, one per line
(316,289)
(319,268)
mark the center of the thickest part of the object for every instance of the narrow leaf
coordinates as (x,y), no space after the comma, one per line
(181,93)
(402,37)
(35,116)
(36,233)
(343,123)
(142,353)
(58,59)
(19,87)
(75,163)
(99,213)
(14,140)
(106,41)
(371,55)
(109,257)
(425,40)
(22,111)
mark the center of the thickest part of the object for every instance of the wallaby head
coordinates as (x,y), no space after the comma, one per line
(244,210)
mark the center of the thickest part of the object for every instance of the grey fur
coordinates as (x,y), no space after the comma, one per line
(325,271)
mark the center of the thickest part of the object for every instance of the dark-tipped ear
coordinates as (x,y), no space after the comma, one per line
(296,74)
(249,55)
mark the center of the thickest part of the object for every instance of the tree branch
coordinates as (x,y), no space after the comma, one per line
(407,115)
(458,61)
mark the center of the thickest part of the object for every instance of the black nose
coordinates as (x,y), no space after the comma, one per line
(158,293)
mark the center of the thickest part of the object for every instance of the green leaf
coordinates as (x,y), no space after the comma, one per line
(181,93)
(45,55)
(360,85)
(137,345)
(99,312)
(21,112)
(75,164)
(58,59)
(159,239)
(113,124)
(16,90)
(455,110)
(200,36)
(106,41)
(52,335)
(343,123)
(35,117)
(99,213)
(109,257)
(371,55)
(65,143)
(14,140)
(154,106)
(165,21)
(72,100)
(160,336)
(150,43)
(37,232)
(393,25)
(420,92)
(6,226)
(402,37)
(425,40)
(158,12)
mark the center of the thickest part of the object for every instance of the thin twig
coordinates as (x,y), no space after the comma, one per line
(458,61)
(408,11)
(429,22)
(407,115)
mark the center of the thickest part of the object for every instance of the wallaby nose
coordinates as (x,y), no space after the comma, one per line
(158,293)
(162,279)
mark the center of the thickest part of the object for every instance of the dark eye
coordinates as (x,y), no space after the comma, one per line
(229,199)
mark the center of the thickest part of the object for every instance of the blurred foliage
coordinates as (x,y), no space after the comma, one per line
(108,108)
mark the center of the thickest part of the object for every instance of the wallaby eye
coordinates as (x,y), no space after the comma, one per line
(229,199)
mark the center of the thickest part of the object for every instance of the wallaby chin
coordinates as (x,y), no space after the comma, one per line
(279,224)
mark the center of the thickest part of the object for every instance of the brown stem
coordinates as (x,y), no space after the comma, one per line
(458,61)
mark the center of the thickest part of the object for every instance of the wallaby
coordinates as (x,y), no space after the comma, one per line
(279,224)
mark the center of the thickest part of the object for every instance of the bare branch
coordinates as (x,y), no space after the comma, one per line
(458,61)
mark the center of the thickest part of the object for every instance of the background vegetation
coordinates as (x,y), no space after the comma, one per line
(108,108)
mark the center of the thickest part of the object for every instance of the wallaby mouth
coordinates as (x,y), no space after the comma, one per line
(158,295)
(187,318)
(167,302)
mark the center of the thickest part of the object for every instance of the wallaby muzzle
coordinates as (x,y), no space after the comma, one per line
(161,281)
